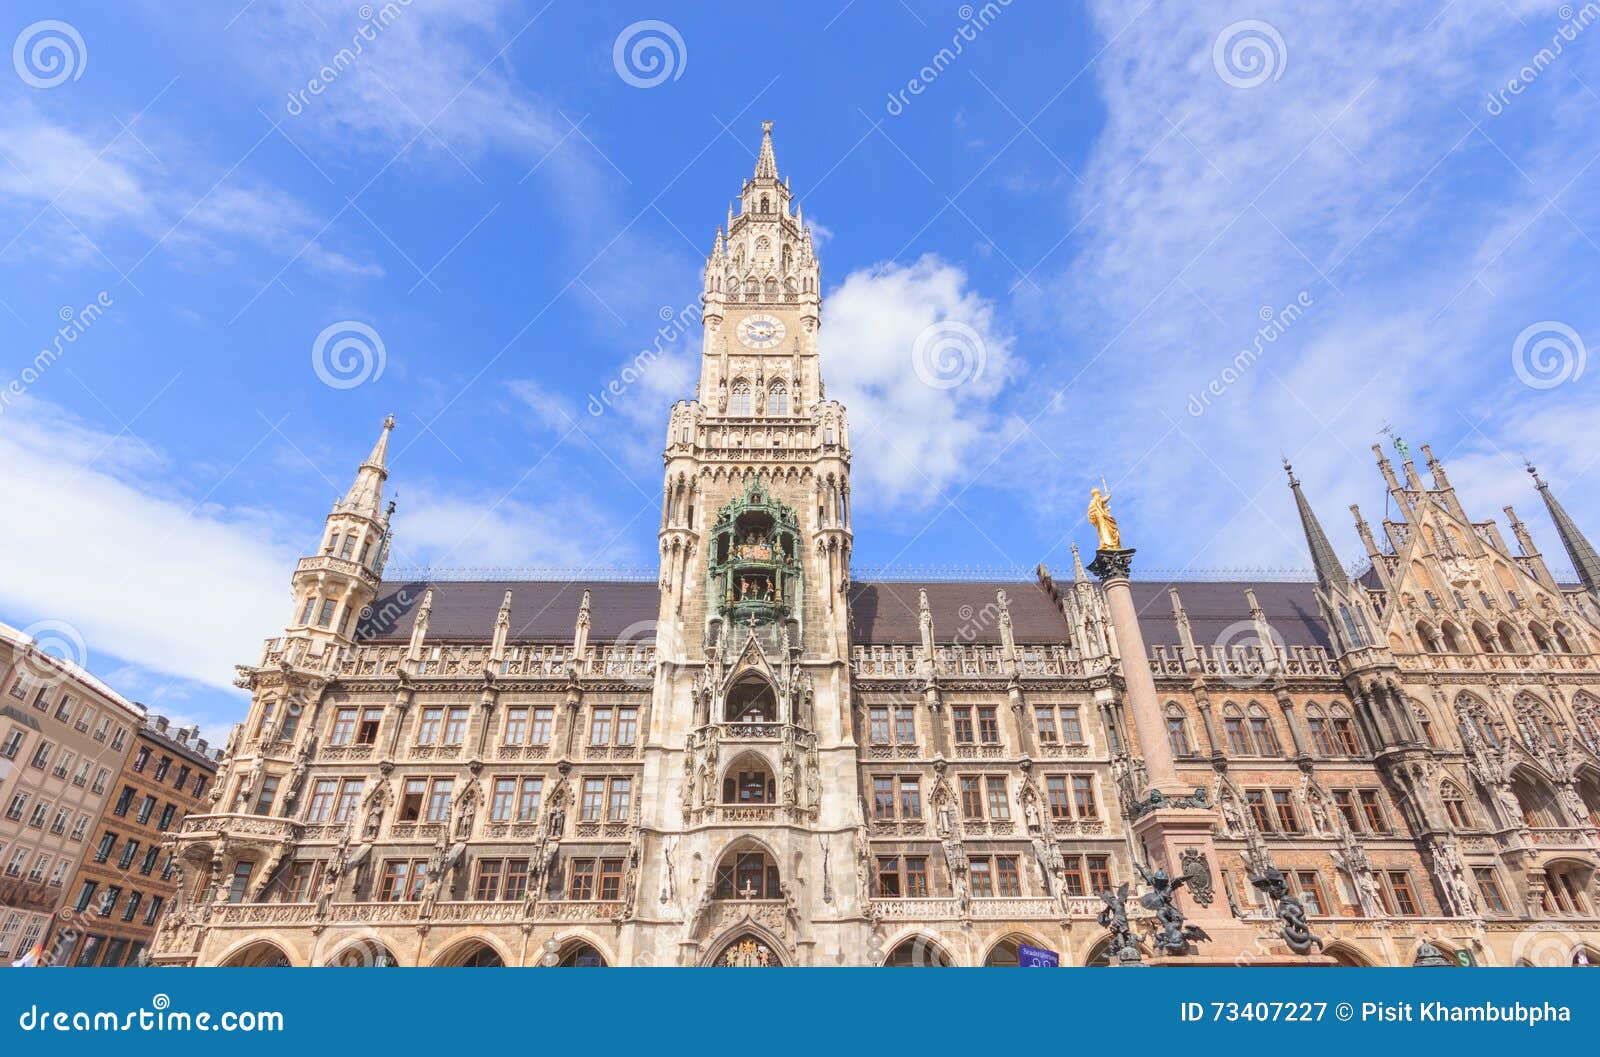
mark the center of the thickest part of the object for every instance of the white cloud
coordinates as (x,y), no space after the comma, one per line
(187,591)
(917,357)
(487,530)
(1357,177)
(59,182)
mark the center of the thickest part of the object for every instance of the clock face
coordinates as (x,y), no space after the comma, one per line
(760,331)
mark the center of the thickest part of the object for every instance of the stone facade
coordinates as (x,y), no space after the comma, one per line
(755,760)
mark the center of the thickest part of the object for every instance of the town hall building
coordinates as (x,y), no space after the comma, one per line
(756,759)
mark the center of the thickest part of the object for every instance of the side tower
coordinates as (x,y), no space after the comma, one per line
(752,746)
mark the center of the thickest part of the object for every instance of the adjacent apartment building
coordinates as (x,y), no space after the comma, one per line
(127,876)
(64,738)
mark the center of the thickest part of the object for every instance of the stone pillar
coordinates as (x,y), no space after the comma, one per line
(1145,708)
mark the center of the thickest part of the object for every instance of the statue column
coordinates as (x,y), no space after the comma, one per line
(1112,566)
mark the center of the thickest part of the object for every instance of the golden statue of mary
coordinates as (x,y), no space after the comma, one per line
(1100,517)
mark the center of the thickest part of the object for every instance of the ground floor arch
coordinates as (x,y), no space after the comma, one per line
(472,953)
(257,954)
(919,952)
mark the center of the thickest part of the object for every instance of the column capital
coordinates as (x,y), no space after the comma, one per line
(1112,564)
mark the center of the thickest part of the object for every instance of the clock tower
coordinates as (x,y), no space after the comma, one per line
(752,719)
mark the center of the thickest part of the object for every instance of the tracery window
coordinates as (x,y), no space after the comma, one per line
(778,400)
(739,401)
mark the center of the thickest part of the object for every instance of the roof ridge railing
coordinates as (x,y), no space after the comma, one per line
(589,574)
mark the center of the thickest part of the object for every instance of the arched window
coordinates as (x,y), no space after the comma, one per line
(1262,732)
(1321,730)
(1476,721)
(1452,637)
(1345,735)
(739,398)
(1537,801)
(1481,632)
(1178,731)
(1541,638)
(1350,628)
(1426,635)
(752,700)
(778,400)
(749,780)
(747,875)
(771,289)
(1563,639)
(1536,725)
(1565,889)
(1233,727)
(1510,641)
(1455,805)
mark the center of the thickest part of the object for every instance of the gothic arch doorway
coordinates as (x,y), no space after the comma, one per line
(263,954)
(471,954)
(1007,953)
(918,952)
(580,954)
(752,699)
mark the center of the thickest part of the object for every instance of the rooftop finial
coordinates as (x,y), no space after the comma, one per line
(766,163)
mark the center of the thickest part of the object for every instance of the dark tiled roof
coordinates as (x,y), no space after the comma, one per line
(887,612)
(1213,606)
(881,612)
(541,610)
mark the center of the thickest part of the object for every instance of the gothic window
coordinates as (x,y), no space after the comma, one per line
(1455,805)
(752,290)
(1233,725)
(1536,725)
(1564,890)
(1541,639)
(752,700)
(747,875)
(772,289)
(739,402)
(1563,640)
(1321,731)
(1480,631)
(1476,721)
(778,401)
(1430,640)
(1494,899)
(749,781)
(1536,801)
(1262,733)
(1452,638)
(595,879)
(1509,640)
(1344,732)
(766,206)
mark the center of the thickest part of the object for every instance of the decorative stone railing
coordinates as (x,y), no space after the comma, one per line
(1053,749)
(578,910)
(965,750)
(224,915)
(1243,662)
(996,908)
(628,661)
(330,563)
(727,813)
(1498,662)
(964,660)
(755,731)
(234,825)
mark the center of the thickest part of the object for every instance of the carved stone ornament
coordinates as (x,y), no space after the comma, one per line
(1112,565)
(1197,868)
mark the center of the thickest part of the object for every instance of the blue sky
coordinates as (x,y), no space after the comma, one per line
(1111,197)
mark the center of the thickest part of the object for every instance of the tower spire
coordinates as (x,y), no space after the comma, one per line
(366,494)
(766,163)
(1329,571)
(1579,549)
